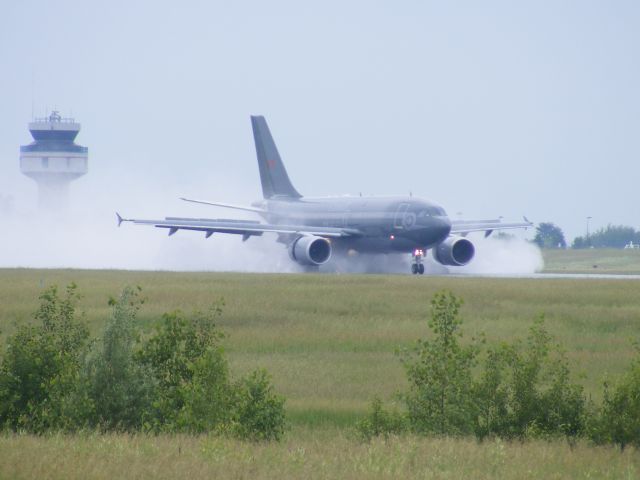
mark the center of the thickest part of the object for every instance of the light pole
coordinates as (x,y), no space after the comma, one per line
(588,238)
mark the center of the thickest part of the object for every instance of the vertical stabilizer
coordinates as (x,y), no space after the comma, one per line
(274,178)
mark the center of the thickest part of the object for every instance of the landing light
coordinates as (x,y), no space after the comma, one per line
(392,237)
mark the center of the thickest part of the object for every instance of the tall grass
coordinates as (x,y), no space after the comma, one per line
(329,340)
(592,260)
(305,453)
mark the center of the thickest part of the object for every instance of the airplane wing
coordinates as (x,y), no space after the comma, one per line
(247,228)
(462,227)
(224,205)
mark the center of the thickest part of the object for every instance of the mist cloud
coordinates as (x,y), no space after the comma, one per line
(90,239)
(508,255)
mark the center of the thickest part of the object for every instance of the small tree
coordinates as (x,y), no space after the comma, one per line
(41,365)
(119,390)
(381,422)
(208,397)
(549,235)
(440,399)
(258,412)
(618,419)
(526,390)
(492,393)
(171,353)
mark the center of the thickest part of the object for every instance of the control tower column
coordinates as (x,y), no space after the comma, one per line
(53,160)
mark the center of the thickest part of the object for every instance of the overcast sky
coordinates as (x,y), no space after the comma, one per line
(491,108)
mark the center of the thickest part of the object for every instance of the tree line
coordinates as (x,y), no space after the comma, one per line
(549,235)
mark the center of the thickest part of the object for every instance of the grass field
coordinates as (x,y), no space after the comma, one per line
(596,260)
(329,342)
(306,454)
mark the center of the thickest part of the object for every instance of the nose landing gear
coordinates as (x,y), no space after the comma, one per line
(417,267)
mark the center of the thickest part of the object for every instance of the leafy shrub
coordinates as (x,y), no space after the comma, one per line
(380,422)
(175,379)
(208,398)
(258,413)
(492,394)
(520,390)
(617,421)
(440,399)
(41,365)
(171,354)
(118,391)
(527,391)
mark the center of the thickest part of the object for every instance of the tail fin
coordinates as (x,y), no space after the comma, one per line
(274,178)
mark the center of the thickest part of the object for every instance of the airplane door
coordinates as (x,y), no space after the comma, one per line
(398,221)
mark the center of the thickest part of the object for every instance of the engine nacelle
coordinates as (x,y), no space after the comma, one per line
(454,251)
(310,250)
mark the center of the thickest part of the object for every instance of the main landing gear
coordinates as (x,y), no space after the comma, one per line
(417,267)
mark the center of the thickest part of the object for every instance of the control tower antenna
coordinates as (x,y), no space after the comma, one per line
(53,160)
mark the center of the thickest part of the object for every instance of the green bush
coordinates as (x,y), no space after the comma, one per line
(208,398)
(118,391)
(492,394)
(517,391)
(175,379)
(171,354)
(440,398)
(258,413)
(617,421)
(527,390)
(41,365)
(380,422)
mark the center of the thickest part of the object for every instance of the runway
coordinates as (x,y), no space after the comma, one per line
(548,276)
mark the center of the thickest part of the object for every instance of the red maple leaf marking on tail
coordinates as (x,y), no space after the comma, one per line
(271,164)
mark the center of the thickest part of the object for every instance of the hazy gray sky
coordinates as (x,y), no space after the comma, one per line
(489,108)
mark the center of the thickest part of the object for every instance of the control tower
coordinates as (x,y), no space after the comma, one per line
(53,160)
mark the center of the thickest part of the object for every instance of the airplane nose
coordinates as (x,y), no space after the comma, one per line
(443,227)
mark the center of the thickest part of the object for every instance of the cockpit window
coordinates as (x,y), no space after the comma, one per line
(432,211)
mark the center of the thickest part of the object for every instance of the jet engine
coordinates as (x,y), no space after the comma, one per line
(310,250)
(454,251)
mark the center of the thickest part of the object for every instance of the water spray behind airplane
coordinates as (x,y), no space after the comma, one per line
(313,228)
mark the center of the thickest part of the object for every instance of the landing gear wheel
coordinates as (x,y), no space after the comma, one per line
(417,266)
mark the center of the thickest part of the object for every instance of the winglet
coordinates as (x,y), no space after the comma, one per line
(120,219)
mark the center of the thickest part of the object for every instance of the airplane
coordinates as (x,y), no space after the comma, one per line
(312,229)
